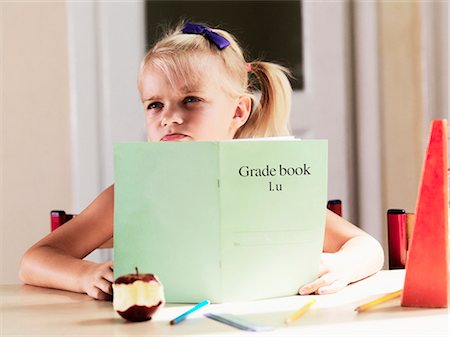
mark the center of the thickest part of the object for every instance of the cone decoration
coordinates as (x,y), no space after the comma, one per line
(426,280)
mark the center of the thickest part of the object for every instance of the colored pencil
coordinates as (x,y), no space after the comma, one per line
(379,300)
(300,311)
(183,316)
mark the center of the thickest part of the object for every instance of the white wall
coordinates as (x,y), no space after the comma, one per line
(35,138)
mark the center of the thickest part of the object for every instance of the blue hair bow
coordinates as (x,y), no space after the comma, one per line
(218,40)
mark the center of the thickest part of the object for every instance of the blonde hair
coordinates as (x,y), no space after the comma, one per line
(178,55)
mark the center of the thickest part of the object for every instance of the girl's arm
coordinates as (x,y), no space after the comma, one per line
(349,255)
(56,260)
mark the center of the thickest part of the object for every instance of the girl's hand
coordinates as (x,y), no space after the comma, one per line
(97,280)
(332,276)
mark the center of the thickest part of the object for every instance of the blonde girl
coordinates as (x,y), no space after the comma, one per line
(196,85)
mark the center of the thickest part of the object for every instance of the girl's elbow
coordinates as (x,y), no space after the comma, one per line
(24,266)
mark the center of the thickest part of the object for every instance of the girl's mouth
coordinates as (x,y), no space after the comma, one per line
(171,137)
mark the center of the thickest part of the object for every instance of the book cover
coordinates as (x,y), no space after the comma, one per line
(224,221)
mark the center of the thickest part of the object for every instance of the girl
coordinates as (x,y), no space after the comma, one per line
(196,85)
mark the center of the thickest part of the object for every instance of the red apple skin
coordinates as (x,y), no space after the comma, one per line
(130,278)
(138,313)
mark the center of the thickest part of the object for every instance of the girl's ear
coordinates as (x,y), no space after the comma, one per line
(241,113)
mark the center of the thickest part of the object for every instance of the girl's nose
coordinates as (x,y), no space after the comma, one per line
(171,118)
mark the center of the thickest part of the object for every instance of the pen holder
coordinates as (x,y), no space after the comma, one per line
(397,238)
(426,279)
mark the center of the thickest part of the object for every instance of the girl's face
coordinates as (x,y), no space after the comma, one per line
(199,111)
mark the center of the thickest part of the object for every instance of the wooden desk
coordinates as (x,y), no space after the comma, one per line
(31,311)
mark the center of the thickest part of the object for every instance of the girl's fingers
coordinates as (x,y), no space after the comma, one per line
(98,294)
(110,265)
(332,288)
(322,281)
(104,285)
(108,273)
(98,280)
(323,270)
(311,287)
(104,297)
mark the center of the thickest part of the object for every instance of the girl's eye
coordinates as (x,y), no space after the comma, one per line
(155,105)
(191,99)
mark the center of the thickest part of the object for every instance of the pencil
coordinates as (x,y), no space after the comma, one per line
(300,312)
(183,316)
(380,300)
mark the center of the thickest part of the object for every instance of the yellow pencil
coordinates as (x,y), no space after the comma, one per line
(380,300)
(300,311)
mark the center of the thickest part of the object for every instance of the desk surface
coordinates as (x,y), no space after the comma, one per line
(28,310)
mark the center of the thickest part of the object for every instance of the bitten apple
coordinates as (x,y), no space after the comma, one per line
(137,296)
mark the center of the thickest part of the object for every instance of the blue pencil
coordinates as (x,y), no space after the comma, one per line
(181,318)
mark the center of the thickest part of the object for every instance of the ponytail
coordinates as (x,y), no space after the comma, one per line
(270,116)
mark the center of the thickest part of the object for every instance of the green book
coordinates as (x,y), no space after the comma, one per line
(223,221)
